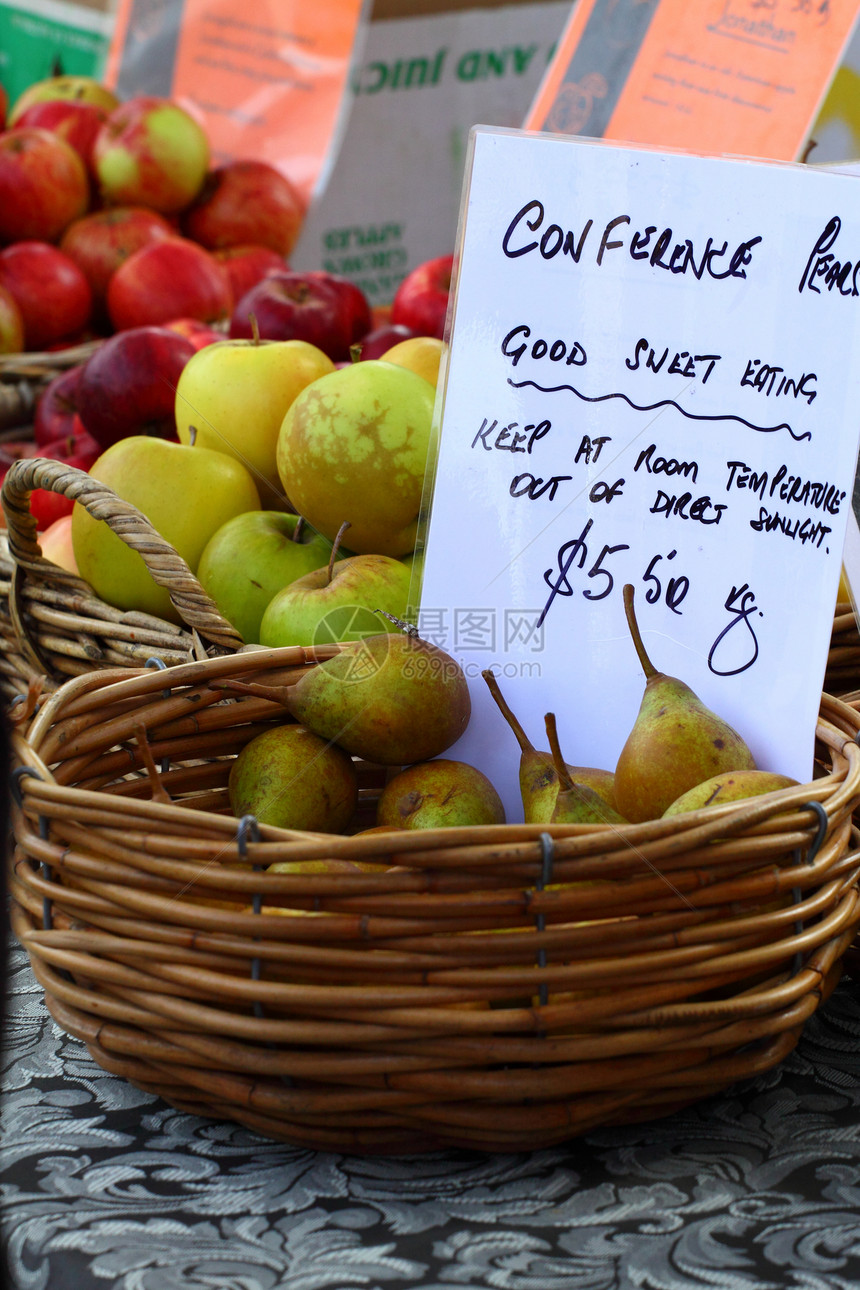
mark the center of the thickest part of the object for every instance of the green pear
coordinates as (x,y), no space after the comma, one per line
(676,741)
(538,779)
(576,803)
(439,794)
(732,786)
(293,779)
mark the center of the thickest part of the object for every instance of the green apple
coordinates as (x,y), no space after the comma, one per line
(235,395)
(353,446)
(339,604)
(186,494)
(252,557)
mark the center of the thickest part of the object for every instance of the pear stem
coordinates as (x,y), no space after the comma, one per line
(565,782)
(647,666)
(522,738)
(338,537)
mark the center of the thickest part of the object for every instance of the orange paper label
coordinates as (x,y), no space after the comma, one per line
(267,80)
(743,77)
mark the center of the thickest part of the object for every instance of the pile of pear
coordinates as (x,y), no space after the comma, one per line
(679,756)
(390,700)
(398,702)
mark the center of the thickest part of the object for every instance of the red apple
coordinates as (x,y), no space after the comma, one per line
(102,240)
(128,386)
(74,120)
(150,152)
(4,106)
(56,414)
(378,341)
(247,265)
(82,89)
(43,185)
(294,306)
(245,202)
(76,450)
(354,302)
(53,295)
(11,324)
(56,545)
(168,278)
(200,334)
(421,300)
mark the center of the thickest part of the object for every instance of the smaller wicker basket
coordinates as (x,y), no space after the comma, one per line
(496,989)
(52,623)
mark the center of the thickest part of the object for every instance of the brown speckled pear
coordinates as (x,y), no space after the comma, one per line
(393,699)
(538,779)
(676,741)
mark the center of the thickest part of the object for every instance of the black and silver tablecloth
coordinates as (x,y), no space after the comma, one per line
(108,1188)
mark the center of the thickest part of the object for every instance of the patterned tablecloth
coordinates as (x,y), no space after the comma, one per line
(107,1187)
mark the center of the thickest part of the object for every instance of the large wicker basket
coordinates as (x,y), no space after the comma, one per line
(53,625)
(497,989)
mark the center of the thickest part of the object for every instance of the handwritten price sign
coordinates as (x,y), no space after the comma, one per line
(654,377)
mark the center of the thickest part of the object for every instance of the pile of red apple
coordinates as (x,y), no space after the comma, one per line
(117,227)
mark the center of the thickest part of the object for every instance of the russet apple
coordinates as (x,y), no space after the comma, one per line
(253,556)
(100,241)
(421,300)
(186,494)
(168,278)
(53,295)
(150,152)
(43,185)
(79,89)
(353,446)
(245,201)
(127,386)
(338,604)
(235,395)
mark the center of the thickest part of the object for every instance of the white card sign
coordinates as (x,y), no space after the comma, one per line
(653,378)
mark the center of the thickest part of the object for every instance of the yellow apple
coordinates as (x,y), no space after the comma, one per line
(235,395)
(186,494)
(81,89)
(354,446)
(421,354)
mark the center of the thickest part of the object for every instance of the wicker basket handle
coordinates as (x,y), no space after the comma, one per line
(194,606)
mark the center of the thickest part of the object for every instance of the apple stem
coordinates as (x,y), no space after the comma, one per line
(192,436)
(297,531)
(255,328)
(338,538)
(355,352)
